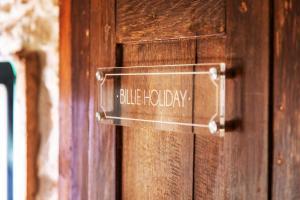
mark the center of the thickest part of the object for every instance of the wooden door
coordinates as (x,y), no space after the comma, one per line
(108,162)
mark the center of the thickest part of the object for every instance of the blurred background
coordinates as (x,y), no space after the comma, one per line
(29,92)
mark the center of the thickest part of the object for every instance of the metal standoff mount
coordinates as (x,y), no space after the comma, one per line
(99,76)
(99,116)
(213,127)
(213,73)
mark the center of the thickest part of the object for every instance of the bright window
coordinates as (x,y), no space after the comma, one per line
(3,140)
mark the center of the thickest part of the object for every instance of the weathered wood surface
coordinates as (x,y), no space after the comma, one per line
(163,19)
(209,169)
(74,100)
(157,164)
(87,151)
(80,95)
(286,105)
(246,149)
(160,165)
(236,167)
(32,76)
(102,152)
(65,104)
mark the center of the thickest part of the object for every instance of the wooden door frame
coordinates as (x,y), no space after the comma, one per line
(73,143)
(87,41)
(87,151)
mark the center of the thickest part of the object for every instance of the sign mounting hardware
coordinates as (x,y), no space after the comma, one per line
(186,98)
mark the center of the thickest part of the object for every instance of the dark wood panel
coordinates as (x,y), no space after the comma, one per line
(74,100)
(102,152)
(209,171)
(65,101)
(32,66)
(80,98)
(286,107)
(157,165)
(246,148)
(163,19)
(235,167)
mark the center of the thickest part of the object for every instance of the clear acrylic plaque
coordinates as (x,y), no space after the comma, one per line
(187,98)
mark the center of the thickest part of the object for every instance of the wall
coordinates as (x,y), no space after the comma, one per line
(32,25)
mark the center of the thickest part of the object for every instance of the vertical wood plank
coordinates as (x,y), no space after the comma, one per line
(286,105)
(157,164)
(32,76)
(80,98)
(209,170)
(236,167)
(102,152)
(74,98)
(246,149)
(65,100)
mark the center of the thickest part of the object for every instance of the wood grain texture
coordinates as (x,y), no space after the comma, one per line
(65,101)
(209,169)
(102,152)
(74,98)
(286,105)
(157,165)
(163,19)
(80,98)
(32,75)
(246,148)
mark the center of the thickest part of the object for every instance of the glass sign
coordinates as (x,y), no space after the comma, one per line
(184,98)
